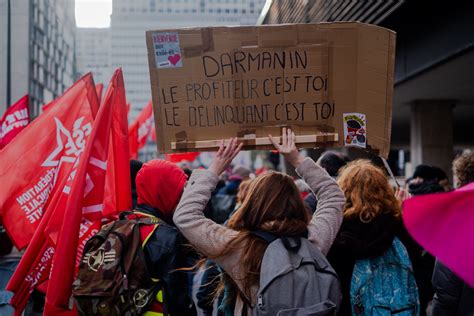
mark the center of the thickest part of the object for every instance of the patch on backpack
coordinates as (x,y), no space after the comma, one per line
(95,260)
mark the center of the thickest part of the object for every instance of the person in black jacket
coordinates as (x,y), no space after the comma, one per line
(159,186)
(371,221)
(452,295)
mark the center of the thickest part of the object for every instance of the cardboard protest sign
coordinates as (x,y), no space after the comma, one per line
(332,83)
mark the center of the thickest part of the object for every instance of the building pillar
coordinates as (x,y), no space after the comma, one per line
(431,129)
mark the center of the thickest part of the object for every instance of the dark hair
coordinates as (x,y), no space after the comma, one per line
(429,173)
(463,169)
(425,188)
(135,166)
(332,162)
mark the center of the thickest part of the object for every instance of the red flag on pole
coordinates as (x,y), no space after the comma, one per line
(34,268)
(41,157)
(15,119)
(85,198)
(118,188)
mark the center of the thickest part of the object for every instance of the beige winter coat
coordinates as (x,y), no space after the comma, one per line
(211,238)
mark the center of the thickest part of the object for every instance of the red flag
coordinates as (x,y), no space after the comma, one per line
(153,133)
(99,88)
(133,140)
(94,105)
(15,119)
(145,124)
(41,157)
(86,193)
(118,188)
(442,224)
(191,156)
(140,129)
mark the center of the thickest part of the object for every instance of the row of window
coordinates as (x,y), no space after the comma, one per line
(201,10)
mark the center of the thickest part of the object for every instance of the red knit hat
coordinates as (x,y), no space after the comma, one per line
(160,184)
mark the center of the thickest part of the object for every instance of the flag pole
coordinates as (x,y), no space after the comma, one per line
(8,53)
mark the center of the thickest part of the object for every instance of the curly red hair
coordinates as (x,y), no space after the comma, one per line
(367,190)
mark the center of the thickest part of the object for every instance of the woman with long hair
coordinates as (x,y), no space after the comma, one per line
(372,219)
(272,204)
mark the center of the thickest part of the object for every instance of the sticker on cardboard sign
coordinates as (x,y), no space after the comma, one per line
(167,50)
(355,129)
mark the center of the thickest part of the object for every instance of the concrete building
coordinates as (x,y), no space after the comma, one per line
(42,50)
(433,104)
(130,20)
(93,53)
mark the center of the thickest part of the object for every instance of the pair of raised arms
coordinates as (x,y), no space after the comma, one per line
(226,154)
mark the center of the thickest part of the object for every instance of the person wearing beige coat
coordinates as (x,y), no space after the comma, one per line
(211,239)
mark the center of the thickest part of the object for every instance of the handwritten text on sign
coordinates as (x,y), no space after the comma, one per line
(223,100)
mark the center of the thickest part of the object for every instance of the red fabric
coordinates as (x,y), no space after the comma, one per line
(182,156)
(118,195)
(442,223)
(153,133)
(15,119)
(99,88)
(145,124)
(133,140)
(160,184)
(94,105)
(41,156)
(140,129)
(74,109)
(84,201)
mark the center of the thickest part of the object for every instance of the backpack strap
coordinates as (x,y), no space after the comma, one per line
(268,237)
(292,243)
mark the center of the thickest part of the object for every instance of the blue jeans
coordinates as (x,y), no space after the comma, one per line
(6,272)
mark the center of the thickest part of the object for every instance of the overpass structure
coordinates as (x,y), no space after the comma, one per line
(433,104)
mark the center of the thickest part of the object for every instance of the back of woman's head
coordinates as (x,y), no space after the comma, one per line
(272,203)
(367,190)
(463,169)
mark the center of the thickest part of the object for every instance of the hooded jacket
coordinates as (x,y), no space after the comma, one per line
(359,240)
(159,188)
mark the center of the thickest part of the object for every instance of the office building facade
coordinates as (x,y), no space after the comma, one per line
(42,52)
(130,20)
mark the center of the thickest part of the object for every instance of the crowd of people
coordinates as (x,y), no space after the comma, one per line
(226,242)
